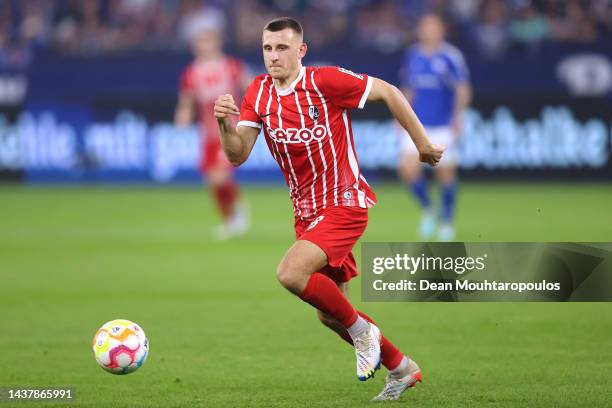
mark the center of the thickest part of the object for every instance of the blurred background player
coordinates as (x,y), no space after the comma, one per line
(435,80)
(210,74)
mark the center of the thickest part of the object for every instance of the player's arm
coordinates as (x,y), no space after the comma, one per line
(463,97)
(403,113)
(237,142)
(185,109)
(408,94)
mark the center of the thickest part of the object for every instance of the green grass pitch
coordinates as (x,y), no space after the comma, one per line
(223,333)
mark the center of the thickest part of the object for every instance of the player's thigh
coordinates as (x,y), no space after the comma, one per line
(410,167)
(446,174)
(446,170)
(301,260)
(218,175)
(215,164)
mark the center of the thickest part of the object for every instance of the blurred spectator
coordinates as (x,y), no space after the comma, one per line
(333,25)
(381,26)
(492,33)
(162,25)
(574,25)
(465,10)
(17,37)
(529,28)
(251,17)
(80,28)
(196,18)
(601,11)
(36,24)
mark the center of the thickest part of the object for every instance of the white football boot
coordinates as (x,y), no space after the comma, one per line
(236,226)
(395,385)
(240,222)
(367,351)
(446,233)
(427,227)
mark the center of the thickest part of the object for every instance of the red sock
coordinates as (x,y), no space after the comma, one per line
(391,356)
(323,293)
(226,195)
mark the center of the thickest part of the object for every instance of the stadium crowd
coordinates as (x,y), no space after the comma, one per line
(93,27)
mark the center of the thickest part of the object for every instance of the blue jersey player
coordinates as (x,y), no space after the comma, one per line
(435,80)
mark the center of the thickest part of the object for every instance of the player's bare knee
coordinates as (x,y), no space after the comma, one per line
(446,175)
(300,261)
(218,177)
(410,168)
(289,276)
(283,274)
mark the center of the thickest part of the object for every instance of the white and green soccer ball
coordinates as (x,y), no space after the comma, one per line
(120,346)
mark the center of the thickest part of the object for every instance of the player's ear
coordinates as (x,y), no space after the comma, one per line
(302,50)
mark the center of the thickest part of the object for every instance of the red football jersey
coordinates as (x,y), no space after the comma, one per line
(208,81)
(308,131)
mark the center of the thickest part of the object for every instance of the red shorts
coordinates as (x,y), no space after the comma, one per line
(335,230)
(213,156)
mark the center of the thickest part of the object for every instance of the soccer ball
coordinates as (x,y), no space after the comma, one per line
(120,346)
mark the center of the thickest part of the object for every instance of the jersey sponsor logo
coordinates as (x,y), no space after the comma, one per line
(315,222)
(293,135)
(349,72)
(313,112)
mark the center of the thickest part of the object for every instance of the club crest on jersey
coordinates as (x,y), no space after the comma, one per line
(313,112)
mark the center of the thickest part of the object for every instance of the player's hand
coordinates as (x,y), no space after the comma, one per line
(225,106)
(431,153)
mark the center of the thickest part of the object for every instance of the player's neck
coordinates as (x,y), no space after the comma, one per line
(203,59)
(430,48)
(283,84)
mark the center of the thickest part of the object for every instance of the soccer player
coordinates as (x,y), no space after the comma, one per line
(435,79)
(210,74)
(304,114)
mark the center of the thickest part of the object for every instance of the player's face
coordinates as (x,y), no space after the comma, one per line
(207,44)
(282,51)
(431,30)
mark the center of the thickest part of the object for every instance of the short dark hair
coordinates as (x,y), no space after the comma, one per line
(279,24)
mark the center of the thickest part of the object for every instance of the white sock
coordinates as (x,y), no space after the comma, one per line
(401,366)
(358,327)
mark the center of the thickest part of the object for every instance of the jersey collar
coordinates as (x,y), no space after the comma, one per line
(291,87)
